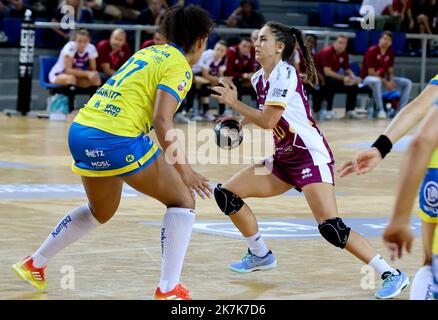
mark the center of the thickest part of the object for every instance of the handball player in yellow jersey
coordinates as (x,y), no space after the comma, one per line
(110,145)
(398,233)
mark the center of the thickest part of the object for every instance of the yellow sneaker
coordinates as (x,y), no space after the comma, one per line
(27,272)
(178,293)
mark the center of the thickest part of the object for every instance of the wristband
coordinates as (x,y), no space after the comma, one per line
(383,144)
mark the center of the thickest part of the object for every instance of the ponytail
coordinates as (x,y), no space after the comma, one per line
(290,36)
(311,73)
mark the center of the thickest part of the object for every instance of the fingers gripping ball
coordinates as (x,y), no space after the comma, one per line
(228,134)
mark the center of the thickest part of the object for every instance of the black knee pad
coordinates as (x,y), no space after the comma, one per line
(335,231)
(227,201)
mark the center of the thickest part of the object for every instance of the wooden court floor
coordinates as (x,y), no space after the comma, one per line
(121,259)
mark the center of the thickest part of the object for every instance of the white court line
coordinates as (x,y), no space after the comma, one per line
(194,245)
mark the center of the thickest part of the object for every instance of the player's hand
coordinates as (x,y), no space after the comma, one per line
(197,184)
(363,163)
(396,236)
(227,93)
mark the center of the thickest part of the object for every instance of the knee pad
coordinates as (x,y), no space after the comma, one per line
(335,231)
(227,201)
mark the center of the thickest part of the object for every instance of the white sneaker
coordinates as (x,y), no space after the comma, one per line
(228,113)
(180,118)
(197,118)
(381,115)
(331,115)
(352,115)
(209,117)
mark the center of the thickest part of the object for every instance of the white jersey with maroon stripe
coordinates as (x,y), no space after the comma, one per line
(298,141)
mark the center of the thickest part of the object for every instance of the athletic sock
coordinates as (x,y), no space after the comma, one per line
(256,245)
(380,265)
(72,227)
(175,236)
(422,283)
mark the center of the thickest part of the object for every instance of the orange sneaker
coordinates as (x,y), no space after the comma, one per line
(26,271)
(178,293)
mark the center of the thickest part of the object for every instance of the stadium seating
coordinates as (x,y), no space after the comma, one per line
(12,27)
(327,13)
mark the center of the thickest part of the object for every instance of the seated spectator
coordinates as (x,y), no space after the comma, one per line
(245,16)
(181,115)
(378,73)
(112,53)
(240,67)
(427,17)
(42,8)
(333,63)
(384,15)
(127,10)
(17,8)
(153,14)
(403,9)
(98,8)
(158,39)
(213,66)
(76,64)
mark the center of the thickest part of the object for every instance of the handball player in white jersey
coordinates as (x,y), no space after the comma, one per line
(302,159)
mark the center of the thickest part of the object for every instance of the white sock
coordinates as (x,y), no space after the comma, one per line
(256,245)
(434,272)
(72,227)
(175,236)
(422,283)
(380,266)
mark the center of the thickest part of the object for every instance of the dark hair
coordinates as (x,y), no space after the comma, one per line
(312,35)
(185,25)
(222,42)
(290,36)
(341,36)
(243,2)
(386,33)
(245,39)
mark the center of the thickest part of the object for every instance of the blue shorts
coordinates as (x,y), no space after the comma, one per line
(429,196)
(97,153)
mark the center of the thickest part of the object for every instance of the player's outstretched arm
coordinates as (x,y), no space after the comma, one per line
(398,235)
(408,118)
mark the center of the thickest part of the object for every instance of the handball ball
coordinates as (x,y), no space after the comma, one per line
(228,134)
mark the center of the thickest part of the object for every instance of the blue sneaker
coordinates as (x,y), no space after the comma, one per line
(251,262)
(392,285)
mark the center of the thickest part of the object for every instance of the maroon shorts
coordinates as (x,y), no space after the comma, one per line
(302,174)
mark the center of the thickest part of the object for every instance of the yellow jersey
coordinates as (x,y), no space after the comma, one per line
(124,105)
(434,161)
(434,80)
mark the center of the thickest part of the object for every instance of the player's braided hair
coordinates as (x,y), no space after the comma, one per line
(185,25)
(290,36)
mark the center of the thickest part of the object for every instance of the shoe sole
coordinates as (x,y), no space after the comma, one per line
(260,268)
(395,294)
(23,277)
